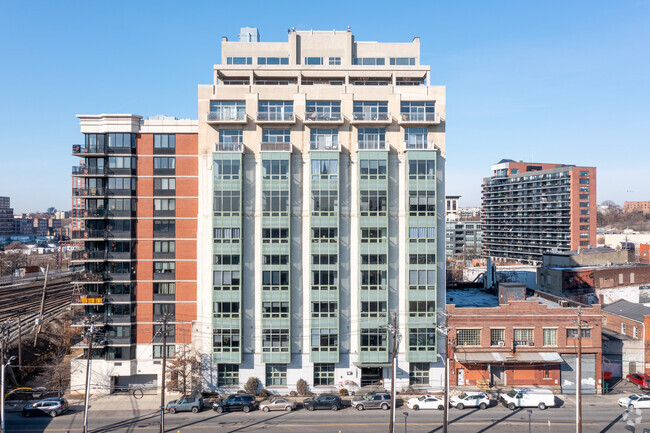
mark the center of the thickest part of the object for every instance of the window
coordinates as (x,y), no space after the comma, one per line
(372,236)
(120,204)
(547,371)
(164,288)
(276,374)
(584,173)
(584,227)
(584,204)
(225,202)
(226,234)
(164,267)
(622,328)
(164,183)
(604,320)
(584,196)
(324,202)
(226,169)
(275,169)
(497,337)
(226,259)
(584,211)
(631,277)
(225,340)
(228,375)
(324,309)
(273,60)
(164,309)
(468,337)
(225,310)
(313,60)
(323,374)
(324,139)
(164,204)
(164,141)
(373,280)
(372,168)
(373,203)
(369,61)
(271,310)
(418,110)
(275,235)
(116,140)
(119,332)
(226,279)
(325,279)
(324,340)
(336,61)
(271,280)
(422,234)
(373,259)
(584,189)
(323,259)
(573,333)
(275,340)
(401,61)
(121,162)
(275,259)
(239,60)
(370,110)
(165,228)
(550,337)
(584,220)
(158,351)
(584,181)
(373,340)
(421,279)
(373,309)
(158,330)
(416,138)
(323,110)
(123,183)
(422,308)
(371,138)
(422,203)
(421,339)
(422,169)
(418,373)
(635,332)
(422,259)
(164,163)
(164,246)
(275,110)
(523,337)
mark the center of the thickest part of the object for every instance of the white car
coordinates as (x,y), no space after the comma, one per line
(637,401)
(470,399)
(426,402)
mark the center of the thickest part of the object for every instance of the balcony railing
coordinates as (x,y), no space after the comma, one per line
(275,146)
(373,145)
(229,146)
(314,117)
(421,145)
(368,116)
(83,169)
(275,116)
(323,145)
(92,148)
(419,117)
(89,192)
(93,213)
(227,115)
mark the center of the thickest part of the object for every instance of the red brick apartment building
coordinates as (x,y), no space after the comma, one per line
(136,202)
(523,340)
(637,206)
(529,208)
(626,324)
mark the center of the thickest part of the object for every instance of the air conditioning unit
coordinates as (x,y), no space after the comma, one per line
(501,343)
(530,343)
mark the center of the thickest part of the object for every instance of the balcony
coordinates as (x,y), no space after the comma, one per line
(94,213)
(372,145)
(84,170)
(87,299)
(229,146)
(422,145)
(226,115)
(276,117)
(419,118)
(275,146)
(371,118)
(327,146)
(89,192)
(81,149)
(316,118)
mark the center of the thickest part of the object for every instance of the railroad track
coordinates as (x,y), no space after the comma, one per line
(27,297)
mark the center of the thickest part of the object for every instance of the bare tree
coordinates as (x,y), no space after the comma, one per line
(183,371)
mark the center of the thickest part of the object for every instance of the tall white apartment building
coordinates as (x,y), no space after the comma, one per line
(321,212)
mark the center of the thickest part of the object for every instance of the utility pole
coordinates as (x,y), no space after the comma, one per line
(90,335)
(579,376)
(20,346)
(39,320)
(163,381)
(2,392)
(393,330)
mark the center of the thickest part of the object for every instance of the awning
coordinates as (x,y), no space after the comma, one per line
(507,357)
(371,364)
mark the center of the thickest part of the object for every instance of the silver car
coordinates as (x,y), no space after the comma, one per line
(277,403)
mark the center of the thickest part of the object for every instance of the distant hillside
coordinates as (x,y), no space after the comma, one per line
(615,217)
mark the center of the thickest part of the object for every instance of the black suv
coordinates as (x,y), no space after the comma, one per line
(235,402)
(332,402)
(379,400)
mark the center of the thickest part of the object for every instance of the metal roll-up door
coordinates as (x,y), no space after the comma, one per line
(588,373)
(138,381)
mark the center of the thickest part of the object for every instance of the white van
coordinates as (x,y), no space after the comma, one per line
(528,397)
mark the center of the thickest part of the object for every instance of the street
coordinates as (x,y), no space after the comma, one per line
(125,414)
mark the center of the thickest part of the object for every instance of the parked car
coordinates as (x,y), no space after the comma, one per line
(49,406)
(278,403)
(470,399)
(642,381)
(244,402)
(332,402)
(528,397)
(373,400)
(626,401)
(185,404)
(426,402)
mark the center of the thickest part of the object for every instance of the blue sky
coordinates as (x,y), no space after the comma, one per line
(551,81)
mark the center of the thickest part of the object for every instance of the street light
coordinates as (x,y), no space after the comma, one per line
(2,394)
